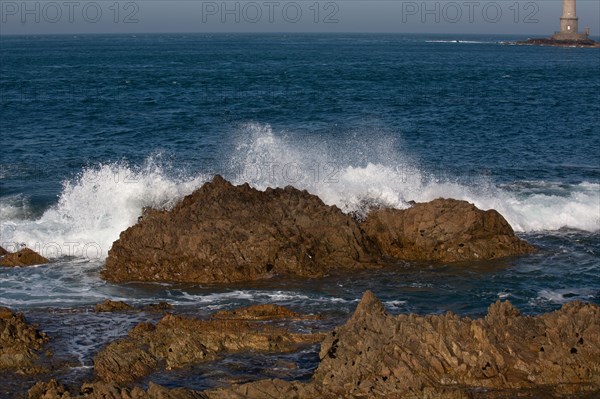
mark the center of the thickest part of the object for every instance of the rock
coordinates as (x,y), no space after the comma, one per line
(113,306)
(3,251)
(48,390)
(222,233)
(24,257)
(158,307)
(20,343)
(261,312)
(378,355)
(176,342)
(582,43)
(443,230)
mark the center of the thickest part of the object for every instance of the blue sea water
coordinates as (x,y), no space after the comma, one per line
(94,128)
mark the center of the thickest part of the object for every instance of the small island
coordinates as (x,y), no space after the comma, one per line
(569,35)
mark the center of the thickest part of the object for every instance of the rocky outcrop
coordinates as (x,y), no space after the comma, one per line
(223,233)
(24,257)
(120,306)
(20,343)
(112,306)
(375,354)
(3,251)
(582,43)
(261,312)
(176,342)
(444,230)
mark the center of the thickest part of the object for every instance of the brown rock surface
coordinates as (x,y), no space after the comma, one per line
(3,251)
(24,257)
(444,230)
(261,312)
(223,233)
(375,354)
(19,343)
(176,342)
(113,306)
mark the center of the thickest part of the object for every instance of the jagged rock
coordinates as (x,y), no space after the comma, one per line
(24,257)
(19,343)
(48,390)
(375,354)
(3,251)
(261,312)
(176,342)
(113,306)
(444,230)
(223,233)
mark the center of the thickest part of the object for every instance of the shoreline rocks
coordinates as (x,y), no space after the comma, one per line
(375,355)
(176,342)
(223,233)
(20,343)
(24,257)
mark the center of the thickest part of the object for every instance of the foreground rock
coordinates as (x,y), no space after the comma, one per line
(376,355)
(120,306)
(443,230)
(20,343)
(261,312)
(177,342)
(24,257)
(222,233)
(3,251)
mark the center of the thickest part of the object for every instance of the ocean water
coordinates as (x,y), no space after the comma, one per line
(94,128)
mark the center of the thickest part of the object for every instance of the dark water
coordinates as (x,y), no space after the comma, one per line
(96,127)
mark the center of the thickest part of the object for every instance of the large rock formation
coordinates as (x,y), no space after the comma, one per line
(24,257)
(176,342)
(20,343)
(223,233)
(444,230)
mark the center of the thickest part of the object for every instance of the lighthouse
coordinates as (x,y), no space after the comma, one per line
(569,23)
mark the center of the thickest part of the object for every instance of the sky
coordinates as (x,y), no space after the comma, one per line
(534,18)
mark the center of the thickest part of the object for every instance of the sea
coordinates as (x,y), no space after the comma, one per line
(96,127)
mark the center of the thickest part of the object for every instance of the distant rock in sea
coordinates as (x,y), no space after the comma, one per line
(24,257)
(583,43)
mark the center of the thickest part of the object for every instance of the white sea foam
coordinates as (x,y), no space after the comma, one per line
(355,174)
(359,173)
(93,209)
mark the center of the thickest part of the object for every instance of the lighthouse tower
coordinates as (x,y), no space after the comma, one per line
(569,23)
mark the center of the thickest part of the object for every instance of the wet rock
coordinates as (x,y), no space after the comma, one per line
(24,257)
(48,390)
(375,354)
(444,230)
(20,343)
(223,233)
(113,306)
(261,312)
(159,307)
(176,342)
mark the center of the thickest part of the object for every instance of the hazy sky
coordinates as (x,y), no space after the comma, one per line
(540,18)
